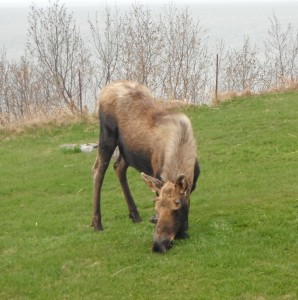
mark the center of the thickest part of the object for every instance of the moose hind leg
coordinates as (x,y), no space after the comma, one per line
(120,168)
(106,148)
(98,175)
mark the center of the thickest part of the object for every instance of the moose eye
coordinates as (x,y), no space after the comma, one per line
(177,201)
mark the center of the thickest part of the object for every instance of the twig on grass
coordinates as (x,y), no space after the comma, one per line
(120,271)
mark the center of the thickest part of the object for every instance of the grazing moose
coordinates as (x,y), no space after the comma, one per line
(156,142)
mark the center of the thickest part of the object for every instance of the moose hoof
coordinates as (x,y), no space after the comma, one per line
(135,217)
(98,228)
(96,225)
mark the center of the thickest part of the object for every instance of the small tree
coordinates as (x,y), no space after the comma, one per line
(281,53)
(185,57)
(142,47)
(3,87)
(167,51)
(242,68)
(107,42)
(55,44)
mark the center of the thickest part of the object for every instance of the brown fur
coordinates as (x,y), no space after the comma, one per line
(146,124)
(149,138)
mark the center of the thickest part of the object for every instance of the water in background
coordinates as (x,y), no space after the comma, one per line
(230,22)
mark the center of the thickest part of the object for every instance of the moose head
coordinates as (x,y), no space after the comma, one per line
(171,207)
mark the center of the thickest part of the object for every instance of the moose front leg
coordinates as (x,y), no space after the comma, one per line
(120,168)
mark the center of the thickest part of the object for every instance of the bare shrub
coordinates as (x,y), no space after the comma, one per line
(18,89)
(281,54)
(22,92)
(142,47)
(185,60)
(4,103)
(58,52)
(247,70)
(241,68)
(107,36)
(167,52)
(127,46)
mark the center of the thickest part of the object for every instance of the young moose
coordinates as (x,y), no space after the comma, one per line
(156,142)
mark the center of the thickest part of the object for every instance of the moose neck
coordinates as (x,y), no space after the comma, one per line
(180,151)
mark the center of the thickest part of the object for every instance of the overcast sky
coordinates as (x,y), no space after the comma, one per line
(120,2)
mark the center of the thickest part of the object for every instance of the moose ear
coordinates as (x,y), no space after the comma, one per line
(181,184)
(154,184)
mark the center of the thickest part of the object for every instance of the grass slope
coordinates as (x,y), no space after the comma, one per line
(243,217)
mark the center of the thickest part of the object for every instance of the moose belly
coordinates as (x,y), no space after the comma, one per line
(136,159)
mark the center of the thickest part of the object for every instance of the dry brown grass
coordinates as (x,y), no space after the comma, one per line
(230,95)
(286,86)
(42,118)
(62,116)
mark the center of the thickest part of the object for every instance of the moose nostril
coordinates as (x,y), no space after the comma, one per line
(161,246)
(158,247)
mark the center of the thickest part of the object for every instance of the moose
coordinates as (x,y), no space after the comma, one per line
(157,142)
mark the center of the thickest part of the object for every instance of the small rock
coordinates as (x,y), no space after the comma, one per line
(87,148)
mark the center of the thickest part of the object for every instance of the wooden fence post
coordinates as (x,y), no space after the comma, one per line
(216,78)
(80,92)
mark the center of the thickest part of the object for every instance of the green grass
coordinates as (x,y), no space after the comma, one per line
(243,217)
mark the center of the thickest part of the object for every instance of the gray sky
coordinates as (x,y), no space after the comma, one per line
(121,2)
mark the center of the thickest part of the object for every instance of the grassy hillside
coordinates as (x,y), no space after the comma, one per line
(243,218)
